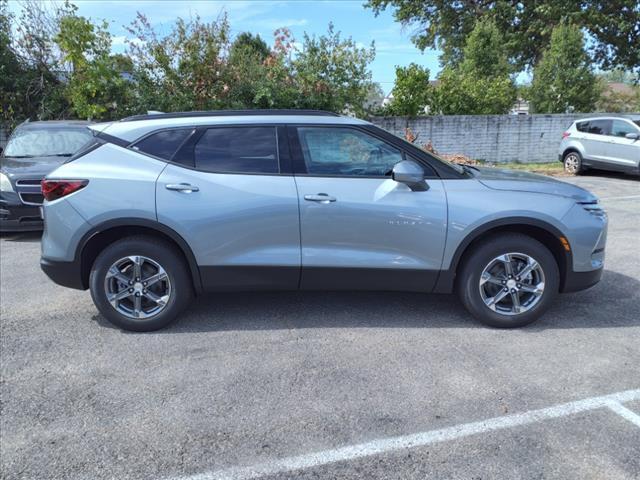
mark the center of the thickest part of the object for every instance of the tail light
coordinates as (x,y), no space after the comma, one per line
(55,189)
(566,134)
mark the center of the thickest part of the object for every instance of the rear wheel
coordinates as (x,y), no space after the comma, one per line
(573,163)
(508,281)
(140,283)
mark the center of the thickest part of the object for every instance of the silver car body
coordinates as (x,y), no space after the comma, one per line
(602,143)
(246,231)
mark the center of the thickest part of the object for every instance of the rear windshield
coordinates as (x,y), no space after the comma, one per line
(43,142)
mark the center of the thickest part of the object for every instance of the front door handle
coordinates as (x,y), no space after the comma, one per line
(320,198)
(181,187)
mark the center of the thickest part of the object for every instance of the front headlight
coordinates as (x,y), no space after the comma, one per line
(5,183)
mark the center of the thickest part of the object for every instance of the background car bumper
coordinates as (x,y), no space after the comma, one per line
(20,218)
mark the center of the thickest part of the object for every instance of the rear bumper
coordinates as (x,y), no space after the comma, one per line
(67,274)
(576,281)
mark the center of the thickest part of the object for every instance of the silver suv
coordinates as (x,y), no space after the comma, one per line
(606,143)
(162,207)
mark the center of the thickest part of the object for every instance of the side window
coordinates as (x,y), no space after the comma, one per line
(599,127)
(163,144)
(346,151)
(582,126)
(238,150)
(621,128)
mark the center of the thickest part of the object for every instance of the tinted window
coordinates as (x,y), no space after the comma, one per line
(599,127)
(582,126)
(620,128)
(42,142)
(346,151)
(163,144)
(238,150)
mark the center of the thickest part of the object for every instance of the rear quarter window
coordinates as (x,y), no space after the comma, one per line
(582,126)
(163,144)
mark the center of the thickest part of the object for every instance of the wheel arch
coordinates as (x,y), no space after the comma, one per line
(572,148)
(544,232)
(99,237)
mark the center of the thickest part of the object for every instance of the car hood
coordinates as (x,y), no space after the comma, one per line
(513,180)
(35,167)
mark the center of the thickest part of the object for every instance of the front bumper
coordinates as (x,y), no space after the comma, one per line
(67,274)
(20,218)
(576,281)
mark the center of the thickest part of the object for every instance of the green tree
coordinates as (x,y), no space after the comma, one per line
(13,76)
(246,44)
(612,26)
(617,75)
(332,73)
(373,101)
(481,82)
(411,91)
(94,88)
(563,80)
(35,67)
(182,70)
(619,101)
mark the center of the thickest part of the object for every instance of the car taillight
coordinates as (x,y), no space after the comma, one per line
(54,189)
(566,134)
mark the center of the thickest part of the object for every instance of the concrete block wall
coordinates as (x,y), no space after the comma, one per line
(493,138)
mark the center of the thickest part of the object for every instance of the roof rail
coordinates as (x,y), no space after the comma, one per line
(228,113)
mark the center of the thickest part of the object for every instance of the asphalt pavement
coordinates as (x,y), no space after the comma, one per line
(325,385)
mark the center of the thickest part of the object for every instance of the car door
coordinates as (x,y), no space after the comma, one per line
(623,152)
(595,140)
(359,228)
(229,195)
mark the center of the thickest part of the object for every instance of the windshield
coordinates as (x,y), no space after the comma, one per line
(637,122)
(34,142)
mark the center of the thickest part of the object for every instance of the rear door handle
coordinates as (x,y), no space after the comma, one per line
(181,187)
(320,198)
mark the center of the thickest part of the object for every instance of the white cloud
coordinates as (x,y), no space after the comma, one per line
(274,23)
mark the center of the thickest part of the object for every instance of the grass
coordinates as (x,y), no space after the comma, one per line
(552,168)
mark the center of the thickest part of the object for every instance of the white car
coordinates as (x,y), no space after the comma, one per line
(606,143)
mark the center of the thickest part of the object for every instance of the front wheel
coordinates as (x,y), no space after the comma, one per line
(508,281)
(140,283)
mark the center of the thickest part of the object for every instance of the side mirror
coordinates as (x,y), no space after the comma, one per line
(411,174)
(632,136)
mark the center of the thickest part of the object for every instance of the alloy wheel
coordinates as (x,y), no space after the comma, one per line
(137,287)
(512,283)
(572,163)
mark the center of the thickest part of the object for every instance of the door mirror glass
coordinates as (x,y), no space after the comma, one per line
(411,174)
(632,136)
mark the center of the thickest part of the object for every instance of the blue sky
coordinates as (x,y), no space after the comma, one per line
(393,44)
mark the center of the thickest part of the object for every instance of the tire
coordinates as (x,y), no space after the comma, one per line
(484,262)
(166,293)
(573,163)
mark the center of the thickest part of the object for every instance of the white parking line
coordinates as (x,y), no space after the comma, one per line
(624,412)
(376,447)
